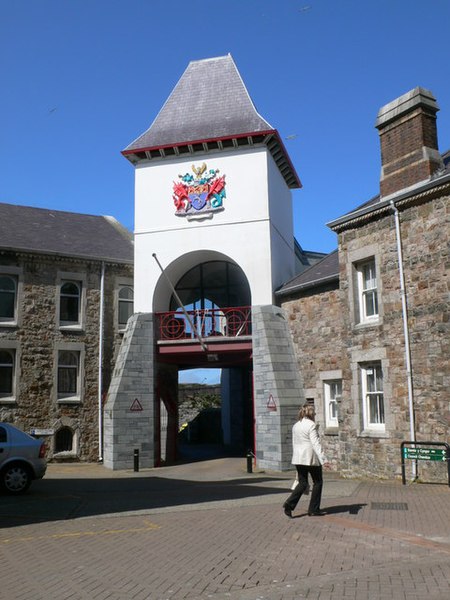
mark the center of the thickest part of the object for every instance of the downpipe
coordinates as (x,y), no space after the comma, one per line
(412,425)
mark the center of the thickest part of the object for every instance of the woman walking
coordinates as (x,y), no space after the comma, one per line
(308,458)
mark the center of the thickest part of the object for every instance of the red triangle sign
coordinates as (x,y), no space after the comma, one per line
(136,406)
(271,404)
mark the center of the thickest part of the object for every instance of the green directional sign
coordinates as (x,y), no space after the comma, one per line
(425,453)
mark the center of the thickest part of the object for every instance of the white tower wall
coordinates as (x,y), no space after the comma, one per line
(254,230)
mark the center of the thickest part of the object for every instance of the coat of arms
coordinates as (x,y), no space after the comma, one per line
(199,194)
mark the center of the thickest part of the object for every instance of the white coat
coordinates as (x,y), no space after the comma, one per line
(306,448)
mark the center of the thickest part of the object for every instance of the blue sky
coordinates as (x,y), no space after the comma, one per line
(81,79)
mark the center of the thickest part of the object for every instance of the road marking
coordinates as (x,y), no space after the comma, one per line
(149,526)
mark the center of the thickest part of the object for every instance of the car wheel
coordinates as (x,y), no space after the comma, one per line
(16,479)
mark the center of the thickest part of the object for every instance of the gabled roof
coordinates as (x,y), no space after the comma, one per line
(323,272)
(209,109)
(45,231)
(381,205)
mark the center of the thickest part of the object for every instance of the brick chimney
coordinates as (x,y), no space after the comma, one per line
(408,138)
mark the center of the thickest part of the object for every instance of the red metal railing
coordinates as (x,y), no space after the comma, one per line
(226,322)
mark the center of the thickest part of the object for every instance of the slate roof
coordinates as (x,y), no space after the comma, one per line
(381,204)
(209,101)
(209,109)
(323,272)
(45,231)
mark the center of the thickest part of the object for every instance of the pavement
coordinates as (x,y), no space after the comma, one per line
(210,530)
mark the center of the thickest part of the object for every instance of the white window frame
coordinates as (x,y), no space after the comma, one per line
(14,349)
(78,350)
(370,395)
(119,283)
(123,286)
(332,394)
(80,281)
(71,424)
(15,274)
(10,395)
(365,292)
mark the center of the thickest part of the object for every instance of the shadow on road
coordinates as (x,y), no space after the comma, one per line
(66,498)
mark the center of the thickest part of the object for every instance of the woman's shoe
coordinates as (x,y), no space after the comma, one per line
(288,511)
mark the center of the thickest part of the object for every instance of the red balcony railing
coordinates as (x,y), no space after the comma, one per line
(223,322)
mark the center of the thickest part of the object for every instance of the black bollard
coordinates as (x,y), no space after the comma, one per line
(136,460)
(249,462)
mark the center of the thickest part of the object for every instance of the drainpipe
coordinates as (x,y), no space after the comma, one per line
(412,427)
(100,365)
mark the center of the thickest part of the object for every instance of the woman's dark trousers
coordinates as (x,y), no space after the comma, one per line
(316,492)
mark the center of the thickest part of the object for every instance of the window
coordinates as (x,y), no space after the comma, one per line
(68,384)
(70,303)
(8,298)
(372,394)
(332,395)
(367,291)
(126,297)
(7,368)
(64,440)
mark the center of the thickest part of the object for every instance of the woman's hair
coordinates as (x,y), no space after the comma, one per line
(306,412)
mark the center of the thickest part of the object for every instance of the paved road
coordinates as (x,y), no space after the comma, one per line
(210,530)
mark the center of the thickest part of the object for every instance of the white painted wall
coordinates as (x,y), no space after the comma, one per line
(282,227)
(253,229)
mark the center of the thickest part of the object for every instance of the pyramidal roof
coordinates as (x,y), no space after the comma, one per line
(209,109)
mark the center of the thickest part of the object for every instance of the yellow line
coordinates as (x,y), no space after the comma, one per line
(79,534)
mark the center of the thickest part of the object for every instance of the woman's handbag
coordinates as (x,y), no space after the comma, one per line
(295,484)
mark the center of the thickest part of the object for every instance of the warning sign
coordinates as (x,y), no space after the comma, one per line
(271,405)
(136,406)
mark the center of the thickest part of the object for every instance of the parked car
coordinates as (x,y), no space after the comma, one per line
(22,459)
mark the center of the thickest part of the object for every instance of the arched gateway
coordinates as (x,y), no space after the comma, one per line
(213,240)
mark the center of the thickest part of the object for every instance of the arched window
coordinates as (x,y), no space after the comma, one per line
(8,298)
(6,372)
(64,440)
(70,303)
(214,284)
(126,298)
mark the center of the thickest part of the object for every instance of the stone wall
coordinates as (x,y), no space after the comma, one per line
(328,337)
(36,337)
(317,329)
(278,388)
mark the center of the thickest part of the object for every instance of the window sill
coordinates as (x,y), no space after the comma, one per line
(332,431)
(65,455)
(69,400)
(366,324)
(374,433)
(71,328)
(9,324)
(8,400)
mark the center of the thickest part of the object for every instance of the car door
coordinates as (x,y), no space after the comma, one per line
(4,444)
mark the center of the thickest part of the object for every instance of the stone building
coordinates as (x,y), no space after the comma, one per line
(370,322)
(363,332)
(66,292)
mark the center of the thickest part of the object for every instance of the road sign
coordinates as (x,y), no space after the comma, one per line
(39,431)
(425,453)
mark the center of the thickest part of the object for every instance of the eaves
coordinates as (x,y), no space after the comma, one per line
(423,192)
(307,285)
